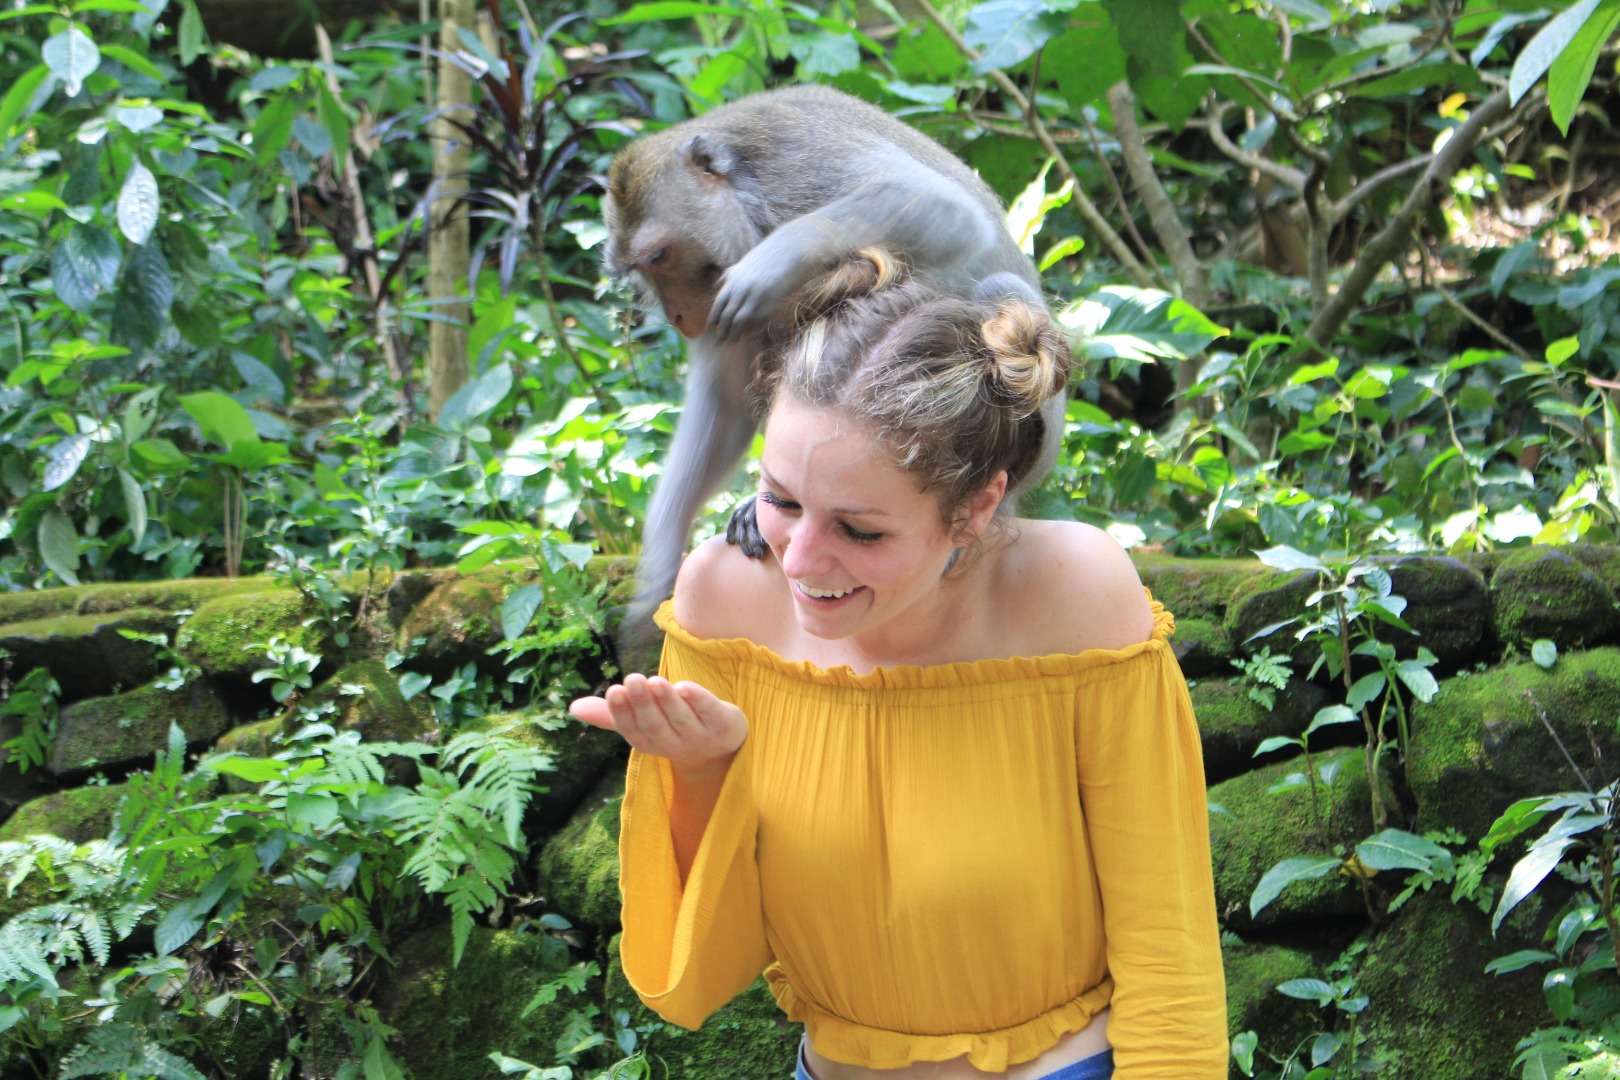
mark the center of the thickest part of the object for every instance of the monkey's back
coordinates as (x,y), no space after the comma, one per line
(802,137)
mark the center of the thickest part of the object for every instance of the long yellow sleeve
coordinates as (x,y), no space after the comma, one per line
(1142,794)
(686,952)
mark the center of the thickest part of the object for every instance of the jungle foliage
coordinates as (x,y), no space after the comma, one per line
(1343,276)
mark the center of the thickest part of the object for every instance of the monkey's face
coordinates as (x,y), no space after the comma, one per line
(863,548)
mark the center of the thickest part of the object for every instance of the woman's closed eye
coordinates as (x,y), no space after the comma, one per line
(788,506)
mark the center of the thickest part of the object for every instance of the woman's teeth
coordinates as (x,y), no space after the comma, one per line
(826,594)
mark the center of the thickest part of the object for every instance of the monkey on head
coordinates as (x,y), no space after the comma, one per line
(726,216)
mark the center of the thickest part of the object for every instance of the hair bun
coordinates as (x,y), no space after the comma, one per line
(1029,357)
(865,272)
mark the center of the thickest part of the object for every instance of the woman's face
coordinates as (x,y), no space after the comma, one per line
(858,539)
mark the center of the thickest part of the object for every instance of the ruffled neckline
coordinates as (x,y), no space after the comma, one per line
(931,676)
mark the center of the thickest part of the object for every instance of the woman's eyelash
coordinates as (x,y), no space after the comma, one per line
(855,535)
(777,501)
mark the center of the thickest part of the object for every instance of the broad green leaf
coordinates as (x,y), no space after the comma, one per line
(1331,715)
(1528,872)
(273,128)
(334,120)
(825,54)
(1007,32)
(84,265)
(1514,822)
(274,78)
(30,202)
(138,118)
(1544,652)
(141,307)
(672,9)
(1572,70)
(1153,34)
(1453,77)
(1417,678)
(73,56)
(1276,742)
(1396,849)
(134,61)
(1315,990)
(311,136)
(138,204)
(1244,1045)
(1138,325)
(517,610)
(161,454)
(253,770)
(312,812)
(1559,988)
(134,505)
(1284,874)
(59,545)
(193,40)
(1365,690)
(1518,961)
(1283,557)
(379,1063)
(1544,48)
(20,96)
(412,683)
(63,459)
(252,456)
(179,926)
(477,398)
(221,419)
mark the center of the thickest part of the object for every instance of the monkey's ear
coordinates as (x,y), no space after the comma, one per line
(711,158)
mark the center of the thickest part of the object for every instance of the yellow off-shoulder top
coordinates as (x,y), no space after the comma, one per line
(926,862)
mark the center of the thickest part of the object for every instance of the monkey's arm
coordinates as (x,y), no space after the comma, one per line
(714,430)
(743,530)
(902,206)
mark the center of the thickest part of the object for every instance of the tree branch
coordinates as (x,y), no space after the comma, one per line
(1286,175)
(1167,226)
(1394,237)
(1082,202)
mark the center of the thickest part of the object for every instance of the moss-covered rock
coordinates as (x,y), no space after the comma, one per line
(1232,724)
(580,754)
(1268,599)
(1253,973)
(410,587)
(1255,831)
(79,814)
(86,654)
(368,699)
(450,1019)
(126,729)
(455,624)
(217,637)
(579,866)
(749,1038)
(1202,648)
(242,1043)
(1602,559)
(1447,603)
(1481,744)
(1432,1013)
(1544,593)
(1195,588)
(184,595)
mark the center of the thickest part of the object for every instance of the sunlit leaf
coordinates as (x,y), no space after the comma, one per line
(138,204)
(73,56)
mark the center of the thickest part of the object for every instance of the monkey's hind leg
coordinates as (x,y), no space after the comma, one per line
(743,530)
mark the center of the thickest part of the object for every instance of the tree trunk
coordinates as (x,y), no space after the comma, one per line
(447,243)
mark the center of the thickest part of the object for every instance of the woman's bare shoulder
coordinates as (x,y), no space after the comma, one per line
(1077,581)
(722,593)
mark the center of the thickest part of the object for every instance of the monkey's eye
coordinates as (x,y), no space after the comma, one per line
(658,256)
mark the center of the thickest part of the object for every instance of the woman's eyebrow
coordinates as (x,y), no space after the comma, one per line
(847,511)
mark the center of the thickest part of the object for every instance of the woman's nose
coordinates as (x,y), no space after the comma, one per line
(805,551)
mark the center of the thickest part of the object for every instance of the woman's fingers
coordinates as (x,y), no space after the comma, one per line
(683,722)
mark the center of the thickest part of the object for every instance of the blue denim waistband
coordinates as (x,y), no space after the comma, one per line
(1096,1067)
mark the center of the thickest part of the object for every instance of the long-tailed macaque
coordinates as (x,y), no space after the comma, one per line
(726,216)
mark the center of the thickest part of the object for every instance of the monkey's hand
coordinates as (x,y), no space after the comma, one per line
(679,721)
(743,530)
(756,288)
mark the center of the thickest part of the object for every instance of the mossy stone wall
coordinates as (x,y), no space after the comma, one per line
(1482,743)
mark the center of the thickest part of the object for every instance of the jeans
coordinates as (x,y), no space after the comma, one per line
(1096,1067)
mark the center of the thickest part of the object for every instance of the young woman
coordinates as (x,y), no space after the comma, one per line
(933,771)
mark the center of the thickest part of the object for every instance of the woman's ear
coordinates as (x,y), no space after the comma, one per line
(984,506)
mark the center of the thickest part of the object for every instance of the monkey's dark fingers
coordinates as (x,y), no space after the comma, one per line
(743,530)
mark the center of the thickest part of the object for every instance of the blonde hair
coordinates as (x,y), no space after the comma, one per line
(952,387)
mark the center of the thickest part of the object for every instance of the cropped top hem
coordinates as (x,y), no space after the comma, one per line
(850,1043)
(959,673)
